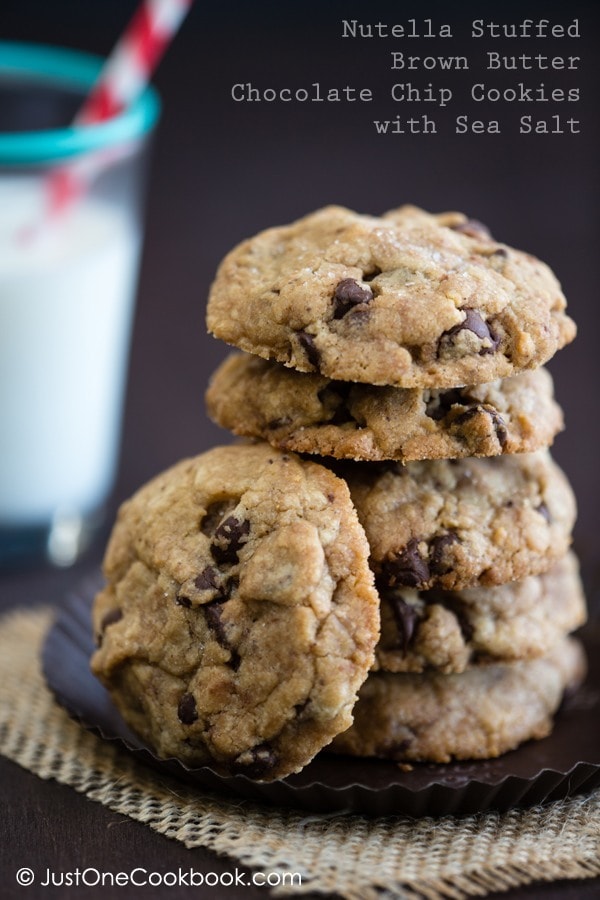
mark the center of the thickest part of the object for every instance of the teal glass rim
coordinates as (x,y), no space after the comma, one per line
(74,70)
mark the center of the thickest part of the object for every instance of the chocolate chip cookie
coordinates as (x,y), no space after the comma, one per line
(239,618)
(312,414)
(458,523)
(407,299)
(478,714)
(450,630)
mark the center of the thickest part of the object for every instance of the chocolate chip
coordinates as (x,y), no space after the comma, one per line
(227,588)
(233,531)
(467,415)
(348,294)
(228,539)
(214,514)
(473,228)
(186,709)
(497,421)
(543,510)
(437,552)
(406,618)
(474,322)
(495,343)
(257,762)
(207,579)
(501,251)
(213,612)
(307,342)
(109,618)
(358,316)
(499,425)
(182,600)
(406,568)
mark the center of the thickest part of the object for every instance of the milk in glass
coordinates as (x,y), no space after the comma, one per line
(66,302)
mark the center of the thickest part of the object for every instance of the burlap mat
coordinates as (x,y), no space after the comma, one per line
(351,856)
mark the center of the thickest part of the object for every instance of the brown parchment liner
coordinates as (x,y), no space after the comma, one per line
(563,764)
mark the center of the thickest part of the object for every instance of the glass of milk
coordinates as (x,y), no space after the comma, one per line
(67,290)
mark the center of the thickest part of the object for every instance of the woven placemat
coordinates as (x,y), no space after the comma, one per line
(354,857)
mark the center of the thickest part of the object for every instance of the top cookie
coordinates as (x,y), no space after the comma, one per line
(409,299)
(240,618)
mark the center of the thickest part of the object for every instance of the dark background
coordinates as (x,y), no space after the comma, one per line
(223,170)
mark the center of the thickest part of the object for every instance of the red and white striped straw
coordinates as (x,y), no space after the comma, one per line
(124,76)
(129,67)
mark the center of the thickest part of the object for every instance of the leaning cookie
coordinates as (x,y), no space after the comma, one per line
(479,714)
(458,523)
(239,619)
(450,630)
(309,413)
(407,299)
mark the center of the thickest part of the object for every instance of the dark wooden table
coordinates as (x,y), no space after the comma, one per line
(221,172)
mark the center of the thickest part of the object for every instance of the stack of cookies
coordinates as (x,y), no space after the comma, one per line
(402,589)
(415,342)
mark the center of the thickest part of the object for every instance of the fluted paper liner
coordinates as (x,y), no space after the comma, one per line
(539,771)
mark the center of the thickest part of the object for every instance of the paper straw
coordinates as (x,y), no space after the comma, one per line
(129,67)
(124,76)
